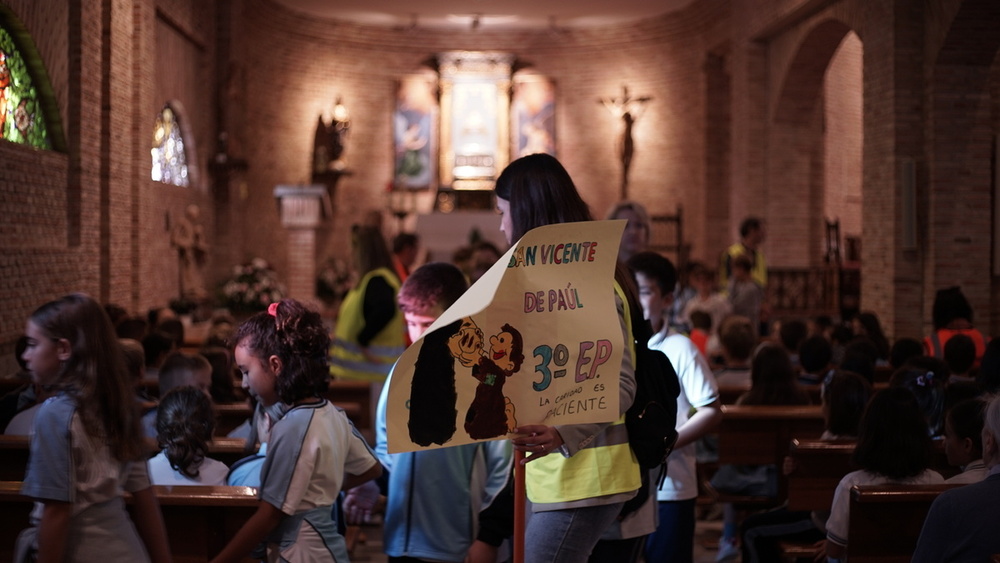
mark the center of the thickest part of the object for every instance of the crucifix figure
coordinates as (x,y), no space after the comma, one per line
(629,109)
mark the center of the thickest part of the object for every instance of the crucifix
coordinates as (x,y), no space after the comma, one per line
(629,109)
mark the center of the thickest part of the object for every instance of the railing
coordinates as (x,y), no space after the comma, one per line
(826,290)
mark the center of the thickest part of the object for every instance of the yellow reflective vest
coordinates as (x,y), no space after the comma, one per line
(346,359)
(604,467)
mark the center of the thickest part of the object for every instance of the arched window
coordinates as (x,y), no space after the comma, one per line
(21,119)
(170,164)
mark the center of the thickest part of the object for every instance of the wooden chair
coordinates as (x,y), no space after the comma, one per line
(886,520)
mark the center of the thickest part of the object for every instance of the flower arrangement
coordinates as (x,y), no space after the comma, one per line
(252,288)
(333,280)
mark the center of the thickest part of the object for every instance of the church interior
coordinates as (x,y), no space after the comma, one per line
(877,118)
(156,153)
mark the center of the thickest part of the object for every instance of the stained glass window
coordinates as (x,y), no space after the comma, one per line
(21,119)
(169,159)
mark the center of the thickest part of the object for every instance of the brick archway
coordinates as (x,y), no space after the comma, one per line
(796,150)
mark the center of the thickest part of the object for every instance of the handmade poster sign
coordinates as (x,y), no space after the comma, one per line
(536,340)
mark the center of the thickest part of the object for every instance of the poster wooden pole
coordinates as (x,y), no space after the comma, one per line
(519,506)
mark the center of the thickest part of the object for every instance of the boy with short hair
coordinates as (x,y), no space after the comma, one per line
(179,370)
(435,495)
(673,540)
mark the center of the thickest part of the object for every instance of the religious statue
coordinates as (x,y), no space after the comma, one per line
(188,238)
(629,109)
(328,148)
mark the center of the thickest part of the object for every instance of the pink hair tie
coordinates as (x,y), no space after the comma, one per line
(272,309)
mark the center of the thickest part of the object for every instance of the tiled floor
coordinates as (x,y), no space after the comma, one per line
(706,537)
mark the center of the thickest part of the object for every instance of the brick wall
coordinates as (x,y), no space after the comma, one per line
(754,108)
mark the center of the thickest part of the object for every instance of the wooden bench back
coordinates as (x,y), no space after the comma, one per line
(759,434)
(886,520)
(14,454)
(199,520)
(819,467)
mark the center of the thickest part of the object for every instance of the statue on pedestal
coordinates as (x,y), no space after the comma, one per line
(188,237)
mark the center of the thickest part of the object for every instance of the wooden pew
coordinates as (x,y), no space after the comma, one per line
(230,415)
(762,434)
(14,454)
(886,520)
(729,394)
(819,467)
(199,520)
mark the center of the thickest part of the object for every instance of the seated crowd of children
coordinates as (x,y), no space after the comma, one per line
(439,505)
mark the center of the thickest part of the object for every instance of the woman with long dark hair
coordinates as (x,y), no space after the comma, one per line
(572,502)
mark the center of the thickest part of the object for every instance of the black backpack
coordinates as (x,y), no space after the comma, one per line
(652,418)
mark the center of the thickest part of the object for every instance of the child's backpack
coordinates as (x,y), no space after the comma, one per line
(652,418)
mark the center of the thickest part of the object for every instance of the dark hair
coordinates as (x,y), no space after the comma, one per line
(815,353)
(860,356)
(966,419)
(773,380)
(436,283)
(792,333)
(892,438)
(135,328)
(116,313)
(842,334)
(904,349)
(179,368)
(223,387)
(749,225)
(737,337)
(928,390)
(135,357)
(540,192)
(174,328)
(950,304)
(845,396)
(155,345)
(960,353)
(822,322)
(295,335)
(988,377)
(657,268)
(516,346)
(184,426)
(95,375)
(403,241)
(369,249)
(701,320)
(936,366)
(873,330)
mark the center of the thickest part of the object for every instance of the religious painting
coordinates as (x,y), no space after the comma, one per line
(533,122)
(474,130)
(475,118)
(415,132)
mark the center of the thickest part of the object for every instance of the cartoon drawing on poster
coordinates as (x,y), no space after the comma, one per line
(551,355)
(432,391)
